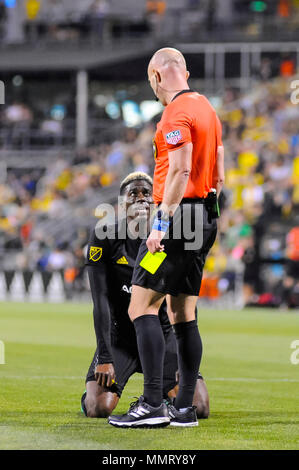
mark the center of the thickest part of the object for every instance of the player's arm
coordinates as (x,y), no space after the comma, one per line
(96,260)
(218,174)
(180,162)
(104,373)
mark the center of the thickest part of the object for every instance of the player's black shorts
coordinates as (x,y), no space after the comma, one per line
(182,269)
(126,362)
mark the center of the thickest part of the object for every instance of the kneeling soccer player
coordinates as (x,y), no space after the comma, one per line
(110,268)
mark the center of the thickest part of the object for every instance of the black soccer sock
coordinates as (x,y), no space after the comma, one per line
(189,357)
(151,347)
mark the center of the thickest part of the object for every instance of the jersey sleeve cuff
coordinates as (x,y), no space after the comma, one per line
(179,146)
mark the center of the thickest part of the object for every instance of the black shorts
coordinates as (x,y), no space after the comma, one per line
(182,269)
(126,362)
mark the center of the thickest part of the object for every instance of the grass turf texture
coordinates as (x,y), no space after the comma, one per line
(252,384)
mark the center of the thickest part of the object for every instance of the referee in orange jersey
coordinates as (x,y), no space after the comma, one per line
(188,177)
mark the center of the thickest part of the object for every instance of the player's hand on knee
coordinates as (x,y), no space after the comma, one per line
(105,375)
(154,241)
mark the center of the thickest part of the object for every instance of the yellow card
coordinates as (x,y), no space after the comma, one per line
(151,262)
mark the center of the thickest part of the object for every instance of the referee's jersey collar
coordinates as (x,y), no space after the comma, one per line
(188,90)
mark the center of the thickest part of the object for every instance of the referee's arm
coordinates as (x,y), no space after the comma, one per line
(180,164)
(218,174)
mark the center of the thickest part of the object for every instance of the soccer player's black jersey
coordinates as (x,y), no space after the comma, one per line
(114,260)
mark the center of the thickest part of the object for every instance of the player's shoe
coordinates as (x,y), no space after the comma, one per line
(183,419)
(142,415)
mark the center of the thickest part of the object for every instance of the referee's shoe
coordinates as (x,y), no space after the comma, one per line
(184,419)
(142,415)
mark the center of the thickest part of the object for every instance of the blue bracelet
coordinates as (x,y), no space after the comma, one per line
(160,225)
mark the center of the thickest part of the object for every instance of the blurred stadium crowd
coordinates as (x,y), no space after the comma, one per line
(47,210)
(105,20)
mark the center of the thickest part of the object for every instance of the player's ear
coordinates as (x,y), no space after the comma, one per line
(157,77)
(187,75)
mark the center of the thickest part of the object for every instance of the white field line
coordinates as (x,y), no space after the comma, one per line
(249,379)
(208,379)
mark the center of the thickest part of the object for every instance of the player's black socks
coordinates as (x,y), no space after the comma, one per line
(151,347)
(189,357)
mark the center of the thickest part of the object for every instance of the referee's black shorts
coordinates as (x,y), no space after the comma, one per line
(182,269)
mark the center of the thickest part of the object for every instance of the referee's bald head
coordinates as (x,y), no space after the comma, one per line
(167,73)
(168,56)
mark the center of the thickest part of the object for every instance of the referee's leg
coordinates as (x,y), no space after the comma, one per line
(143,311)
(181,310)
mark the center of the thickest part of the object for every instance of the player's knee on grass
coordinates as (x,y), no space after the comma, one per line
(99,403)
(99,407)
(201,400)
(202,410)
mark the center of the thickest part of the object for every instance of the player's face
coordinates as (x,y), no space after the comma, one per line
(138,199)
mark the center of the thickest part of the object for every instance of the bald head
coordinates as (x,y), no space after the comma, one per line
(168,56)
(167,73)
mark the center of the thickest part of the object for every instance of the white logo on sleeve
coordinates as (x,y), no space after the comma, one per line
(173,137)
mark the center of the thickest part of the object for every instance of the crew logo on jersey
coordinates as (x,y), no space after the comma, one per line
(95,253)
(173,137)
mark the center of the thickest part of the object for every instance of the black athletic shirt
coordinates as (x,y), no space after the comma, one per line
(110,267)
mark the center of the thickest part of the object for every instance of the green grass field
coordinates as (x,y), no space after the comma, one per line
(254,388)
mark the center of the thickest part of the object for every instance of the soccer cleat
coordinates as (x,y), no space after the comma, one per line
(184,419)
(141,415)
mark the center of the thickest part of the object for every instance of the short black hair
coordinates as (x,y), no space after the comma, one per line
(135,176)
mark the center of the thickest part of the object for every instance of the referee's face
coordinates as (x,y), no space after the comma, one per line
(138,199)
